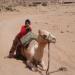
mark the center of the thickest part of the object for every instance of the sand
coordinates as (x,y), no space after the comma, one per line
(58,19)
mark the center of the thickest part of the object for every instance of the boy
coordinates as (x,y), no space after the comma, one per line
(16,42)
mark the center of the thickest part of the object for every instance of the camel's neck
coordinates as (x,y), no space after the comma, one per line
(40,50)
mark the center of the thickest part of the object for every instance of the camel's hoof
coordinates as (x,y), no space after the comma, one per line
(34,69)
(42,67)
(31,66)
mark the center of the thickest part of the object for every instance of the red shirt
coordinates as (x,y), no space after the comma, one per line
(23,31)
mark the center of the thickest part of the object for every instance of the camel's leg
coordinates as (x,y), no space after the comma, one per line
(42,65)
(30,65)
(29,56)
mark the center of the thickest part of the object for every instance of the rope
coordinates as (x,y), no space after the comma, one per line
(47,71)
(60,68)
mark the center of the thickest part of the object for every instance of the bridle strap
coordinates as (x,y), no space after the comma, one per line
(47,71)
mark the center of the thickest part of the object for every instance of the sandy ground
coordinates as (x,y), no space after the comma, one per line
(58,19)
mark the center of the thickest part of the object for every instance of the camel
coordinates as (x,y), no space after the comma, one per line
(34,52)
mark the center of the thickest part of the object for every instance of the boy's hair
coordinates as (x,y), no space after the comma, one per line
(27,21)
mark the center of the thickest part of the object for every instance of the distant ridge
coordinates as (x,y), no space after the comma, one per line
(29,1)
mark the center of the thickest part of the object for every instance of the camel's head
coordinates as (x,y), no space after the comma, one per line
(47,36)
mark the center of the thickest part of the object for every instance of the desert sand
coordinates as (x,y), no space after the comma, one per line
(58,19)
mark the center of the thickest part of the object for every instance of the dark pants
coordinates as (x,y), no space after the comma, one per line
(16,46)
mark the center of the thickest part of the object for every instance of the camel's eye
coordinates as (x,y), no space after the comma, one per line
(44,36)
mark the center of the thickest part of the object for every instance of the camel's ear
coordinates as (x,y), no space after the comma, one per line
(39,31)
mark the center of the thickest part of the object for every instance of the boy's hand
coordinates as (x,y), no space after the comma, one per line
(28,29)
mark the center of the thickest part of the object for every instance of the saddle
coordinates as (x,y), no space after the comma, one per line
(25,40)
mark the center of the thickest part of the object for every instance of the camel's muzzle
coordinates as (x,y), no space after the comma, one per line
(51,39)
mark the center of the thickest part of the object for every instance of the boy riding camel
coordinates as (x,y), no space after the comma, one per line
(16,42)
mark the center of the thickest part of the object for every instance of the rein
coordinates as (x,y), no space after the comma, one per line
(47,71)
(60,68)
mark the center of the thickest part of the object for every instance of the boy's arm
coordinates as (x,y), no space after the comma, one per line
(28,29)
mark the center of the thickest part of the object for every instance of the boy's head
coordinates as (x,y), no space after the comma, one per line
(27,22)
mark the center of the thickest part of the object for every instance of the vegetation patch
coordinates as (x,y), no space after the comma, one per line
(10,8)
(44,4)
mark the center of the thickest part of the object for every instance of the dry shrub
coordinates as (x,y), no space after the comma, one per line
(10,8)
(32,4)
(67,2)
(44,4)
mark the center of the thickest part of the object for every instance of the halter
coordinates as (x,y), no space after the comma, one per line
(46,38)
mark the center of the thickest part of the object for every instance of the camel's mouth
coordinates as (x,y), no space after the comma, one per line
(53,40)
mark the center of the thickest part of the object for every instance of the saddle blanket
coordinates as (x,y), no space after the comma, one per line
(25,40)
